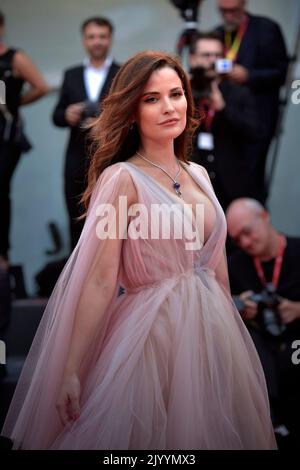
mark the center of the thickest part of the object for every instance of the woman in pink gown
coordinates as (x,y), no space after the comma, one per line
(168,364)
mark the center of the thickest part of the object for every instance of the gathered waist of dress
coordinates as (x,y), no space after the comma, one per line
(197,270)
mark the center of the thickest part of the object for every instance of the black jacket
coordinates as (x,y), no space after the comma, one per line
(263,53)
(73,91)
(243,276)
(234,130)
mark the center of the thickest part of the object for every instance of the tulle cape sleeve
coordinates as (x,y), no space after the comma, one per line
(32,409)
(221,268)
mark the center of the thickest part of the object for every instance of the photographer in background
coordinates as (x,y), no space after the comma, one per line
(83,89)
(256,46)
(265,277)
(229,121)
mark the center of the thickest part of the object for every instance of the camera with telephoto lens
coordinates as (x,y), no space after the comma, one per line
(267,304)
(202,77)
(188,8)
(189,12)
(201,81)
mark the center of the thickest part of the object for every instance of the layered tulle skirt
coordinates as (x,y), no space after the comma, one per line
(178,370)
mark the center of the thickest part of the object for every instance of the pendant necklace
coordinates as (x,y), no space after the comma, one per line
(176,185)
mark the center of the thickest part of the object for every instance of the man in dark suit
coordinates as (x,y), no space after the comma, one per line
(257,48)
(229,122)
(83,89)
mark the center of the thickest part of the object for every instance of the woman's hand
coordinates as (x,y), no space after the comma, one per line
(68,399)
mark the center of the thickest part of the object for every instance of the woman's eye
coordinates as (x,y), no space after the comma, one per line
(151,99)
(177,94)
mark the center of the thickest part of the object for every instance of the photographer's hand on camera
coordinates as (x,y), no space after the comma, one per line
(239,74)
(289,311)
(250,310)
(73,113)
(217,101)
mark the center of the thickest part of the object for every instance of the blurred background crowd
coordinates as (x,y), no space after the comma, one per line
(58,60)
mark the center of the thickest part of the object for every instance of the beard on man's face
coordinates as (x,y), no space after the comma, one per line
(230,27)
(97,52)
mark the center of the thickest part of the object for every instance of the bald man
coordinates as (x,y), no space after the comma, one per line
(256,46)
(267,256)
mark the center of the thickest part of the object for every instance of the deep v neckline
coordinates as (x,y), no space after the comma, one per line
(181,200)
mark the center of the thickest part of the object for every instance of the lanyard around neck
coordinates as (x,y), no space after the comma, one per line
(277,265)
(232,49)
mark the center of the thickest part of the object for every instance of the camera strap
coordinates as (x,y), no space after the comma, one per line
(232,48)
(277,265)
(208,114)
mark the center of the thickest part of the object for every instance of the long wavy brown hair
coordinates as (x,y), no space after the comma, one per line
(113,137)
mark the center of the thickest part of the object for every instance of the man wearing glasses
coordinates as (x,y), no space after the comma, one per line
(229,121)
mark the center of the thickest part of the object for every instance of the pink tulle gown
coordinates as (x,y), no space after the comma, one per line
(172,366)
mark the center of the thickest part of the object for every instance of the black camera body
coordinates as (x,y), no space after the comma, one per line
(188,8)
(91,109)
(202,78)
(201,82)
(268,317)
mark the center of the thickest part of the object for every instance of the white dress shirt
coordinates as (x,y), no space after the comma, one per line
(94,78)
